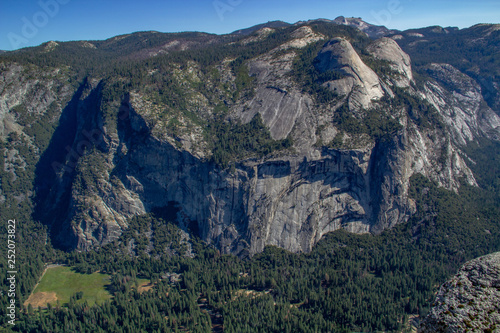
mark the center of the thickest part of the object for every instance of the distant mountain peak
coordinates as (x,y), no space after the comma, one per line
(373,31)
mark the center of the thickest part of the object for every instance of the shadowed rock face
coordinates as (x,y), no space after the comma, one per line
(290,203)
(289,199)
(470,301)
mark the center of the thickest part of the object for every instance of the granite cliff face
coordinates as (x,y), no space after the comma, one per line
(361,82)
(469,301)
(116,156)
(388,50)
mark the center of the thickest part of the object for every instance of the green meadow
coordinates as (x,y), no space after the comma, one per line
(64,282)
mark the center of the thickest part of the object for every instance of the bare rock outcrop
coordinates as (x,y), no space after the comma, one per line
(469,301)
(360,81)
(147,153)
(387,49)
(458,99)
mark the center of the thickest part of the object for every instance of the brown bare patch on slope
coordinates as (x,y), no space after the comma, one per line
(40,299)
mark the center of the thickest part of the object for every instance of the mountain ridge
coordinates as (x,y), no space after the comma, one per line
(270,24)
(230,130)
(372,30)
(340,178)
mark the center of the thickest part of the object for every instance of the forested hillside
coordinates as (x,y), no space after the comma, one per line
(287,178)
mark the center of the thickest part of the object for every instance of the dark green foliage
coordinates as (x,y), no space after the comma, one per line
(108,53)
(486,166)
(474,51)
(310,78)
(421,111)
(22,158)
(91,166)
(467,49)
(149,231)
(32,248)
(357,38)
(377,123)
(337,141)
(304,70)
(232,143)
(347,283)
(43,128)
(244,82)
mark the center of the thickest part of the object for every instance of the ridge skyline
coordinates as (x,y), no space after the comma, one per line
(31,24)
(273,24)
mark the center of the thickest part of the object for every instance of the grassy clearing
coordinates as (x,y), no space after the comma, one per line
(64,282)
(144,285)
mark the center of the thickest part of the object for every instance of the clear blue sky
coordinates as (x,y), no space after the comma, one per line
(32,22)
